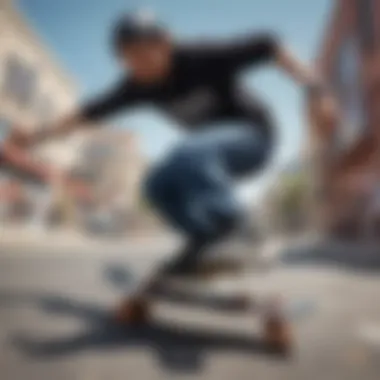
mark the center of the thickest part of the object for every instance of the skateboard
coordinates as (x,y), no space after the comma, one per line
(199,291)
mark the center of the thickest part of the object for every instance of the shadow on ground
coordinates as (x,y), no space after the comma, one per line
(119,276)
(176,347)
(339,255)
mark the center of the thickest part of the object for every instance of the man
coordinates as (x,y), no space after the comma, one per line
(198,86)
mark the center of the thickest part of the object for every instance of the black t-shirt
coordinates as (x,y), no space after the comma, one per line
(201,88)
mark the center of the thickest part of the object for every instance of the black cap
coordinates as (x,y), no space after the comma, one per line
(137,26)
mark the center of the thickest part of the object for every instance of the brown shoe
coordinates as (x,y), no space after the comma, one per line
(277,332)
(217,267)
(132,311)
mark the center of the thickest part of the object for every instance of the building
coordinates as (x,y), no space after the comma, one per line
(34,88)
(284,207)
(348,155)
(112,160)
(112,163)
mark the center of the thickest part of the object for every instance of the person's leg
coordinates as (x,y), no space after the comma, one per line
(204,170)
(185,190)
(193,191)
(242,150)
(192,197)
(220,213)
(188,189)
(165,191)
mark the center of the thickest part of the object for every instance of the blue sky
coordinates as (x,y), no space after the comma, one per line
(78,33)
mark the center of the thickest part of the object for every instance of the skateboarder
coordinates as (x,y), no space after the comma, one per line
(231,134)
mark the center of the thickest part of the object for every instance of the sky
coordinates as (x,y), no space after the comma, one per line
(78,33)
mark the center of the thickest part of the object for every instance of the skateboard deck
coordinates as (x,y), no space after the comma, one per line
(210,293)
(197,289)
(193,293)
(272,313)
(197,293)
(211,266)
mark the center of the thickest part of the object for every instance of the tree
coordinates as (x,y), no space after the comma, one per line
(292,198)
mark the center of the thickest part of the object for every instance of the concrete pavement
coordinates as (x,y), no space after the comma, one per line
(29,241)
(54,323)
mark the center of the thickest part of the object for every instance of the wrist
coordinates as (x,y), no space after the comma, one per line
(41,134)
(316,89)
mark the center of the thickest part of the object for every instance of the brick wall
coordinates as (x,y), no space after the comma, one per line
(349,166)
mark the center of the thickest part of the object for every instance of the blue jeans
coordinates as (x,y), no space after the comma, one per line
(192,189)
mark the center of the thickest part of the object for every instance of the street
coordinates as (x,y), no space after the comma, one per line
(55,323)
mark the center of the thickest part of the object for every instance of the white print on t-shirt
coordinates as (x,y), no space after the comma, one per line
(195,106)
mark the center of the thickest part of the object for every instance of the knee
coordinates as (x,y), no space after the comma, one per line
(213,216)
(227,217)
(227,222)
(154,186)
(163,182)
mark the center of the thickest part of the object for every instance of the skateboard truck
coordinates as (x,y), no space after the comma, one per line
(276,328)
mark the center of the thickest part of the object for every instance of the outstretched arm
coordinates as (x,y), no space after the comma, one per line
(256,49)
(91,112)
(295,68)
(321,102)
(266,48)
(16,158)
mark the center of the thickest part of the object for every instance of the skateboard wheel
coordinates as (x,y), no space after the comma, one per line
(217,267)
(133,312)
(277,334)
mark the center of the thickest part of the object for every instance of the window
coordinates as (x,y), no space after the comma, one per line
(99,152)
(4,128)
(46,109)
(366,22)
(20,81)
(347,81)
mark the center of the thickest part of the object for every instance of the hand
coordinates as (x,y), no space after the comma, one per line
(325,110)
(20,137)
